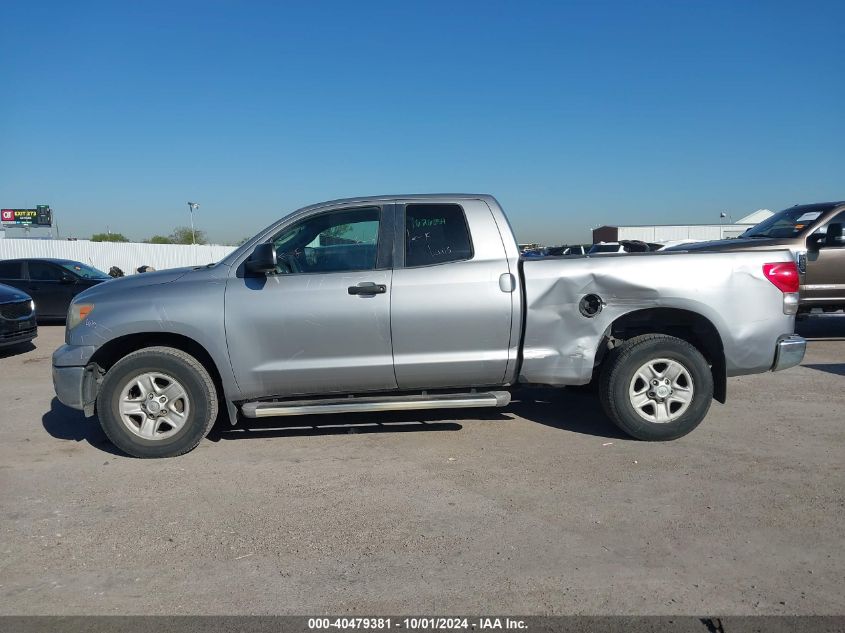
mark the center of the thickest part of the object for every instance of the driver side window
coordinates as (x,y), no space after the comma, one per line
(337,241)
(837,219)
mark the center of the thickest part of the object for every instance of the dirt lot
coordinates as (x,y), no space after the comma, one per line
(540,508)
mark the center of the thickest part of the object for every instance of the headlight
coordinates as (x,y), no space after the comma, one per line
(32,305)
(77,313)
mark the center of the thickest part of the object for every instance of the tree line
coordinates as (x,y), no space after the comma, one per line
(180,235)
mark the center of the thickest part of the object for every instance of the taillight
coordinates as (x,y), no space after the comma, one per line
(784,275)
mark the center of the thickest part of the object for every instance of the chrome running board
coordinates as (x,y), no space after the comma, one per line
(376,403)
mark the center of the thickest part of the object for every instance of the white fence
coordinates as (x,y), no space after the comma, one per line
(127,256)
(667,233)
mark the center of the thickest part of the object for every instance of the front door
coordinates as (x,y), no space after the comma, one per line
(824,281)
(451,310)
(321,322)
(51,287)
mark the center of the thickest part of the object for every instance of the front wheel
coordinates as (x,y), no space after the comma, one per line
(656,387)
(157,402)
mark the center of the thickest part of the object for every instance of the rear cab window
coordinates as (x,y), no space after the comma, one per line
(436,234)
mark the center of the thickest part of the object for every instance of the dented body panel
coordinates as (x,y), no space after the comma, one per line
(728,289)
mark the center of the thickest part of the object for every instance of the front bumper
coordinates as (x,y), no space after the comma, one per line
(67,382)
(18,329)
(73,355)
(74,379)
(789,351)
(14,331)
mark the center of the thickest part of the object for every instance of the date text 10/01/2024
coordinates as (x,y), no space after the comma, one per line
(421,623)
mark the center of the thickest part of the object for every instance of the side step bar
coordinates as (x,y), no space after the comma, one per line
(376,403)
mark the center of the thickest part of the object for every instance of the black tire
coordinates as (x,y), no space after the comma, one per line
(618,372)
(188,371)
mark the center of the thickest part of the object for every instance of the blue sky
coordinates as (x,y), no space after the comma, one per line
(574,114)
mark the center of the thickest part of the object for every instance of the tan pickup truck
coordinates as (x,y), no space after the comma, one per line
(814,233)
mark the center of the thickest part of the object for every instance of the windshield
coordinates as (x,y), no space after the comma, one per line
(787,223)
(86,272)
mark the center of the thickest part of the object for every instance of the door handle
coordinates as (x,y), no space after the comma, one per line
(367,288)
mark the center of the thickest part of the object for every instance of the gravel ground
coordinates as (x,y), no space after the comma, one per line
(540,508)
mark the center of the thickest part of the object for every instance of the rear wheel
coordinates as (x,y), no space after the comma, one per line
(157,402)
(656,387)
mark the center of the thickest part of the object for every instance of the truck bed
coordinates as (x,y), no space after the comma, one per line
(728,289)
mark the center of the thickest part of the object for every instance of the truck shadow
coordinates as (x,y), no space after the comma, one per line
(828,327)
(65,423)
(314,425)
(837,369)
(570,410)
(574,409)
(15,350)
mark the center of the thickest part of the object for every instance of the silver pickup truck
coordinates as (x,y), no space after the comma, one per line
(418,302)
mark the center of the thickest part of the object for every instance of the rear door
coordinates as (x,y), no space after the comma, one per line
(450,319)
(824,281)
(321,323)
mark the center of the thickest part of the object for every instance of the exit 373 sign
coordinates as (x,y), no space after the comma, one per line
(40,217)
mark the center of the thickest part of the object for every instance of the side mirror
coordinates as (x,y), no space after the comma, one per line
(834,235)
(263,259)
(815,241)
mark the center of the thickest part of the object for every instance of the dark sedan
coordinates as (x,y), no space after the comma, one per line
(17,317)
(52,283)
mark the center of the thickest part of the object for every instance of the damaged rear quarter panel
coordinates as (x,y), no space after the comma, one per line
(728,289)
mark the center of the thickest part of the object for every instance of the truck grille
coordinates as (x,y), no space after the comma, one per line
(15,310)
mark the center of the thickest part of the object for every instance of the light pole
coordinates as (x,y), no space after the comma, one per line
(193,206)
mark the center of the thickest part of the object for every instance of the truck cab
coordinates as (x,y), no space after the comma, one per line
(374,295)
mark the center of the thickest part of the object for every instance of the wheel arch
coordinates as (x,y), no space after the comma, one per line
(112,351)
(687,325)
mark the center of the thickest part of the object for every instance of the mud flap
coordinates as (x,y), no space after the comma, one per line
(720,383)
(90,388)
